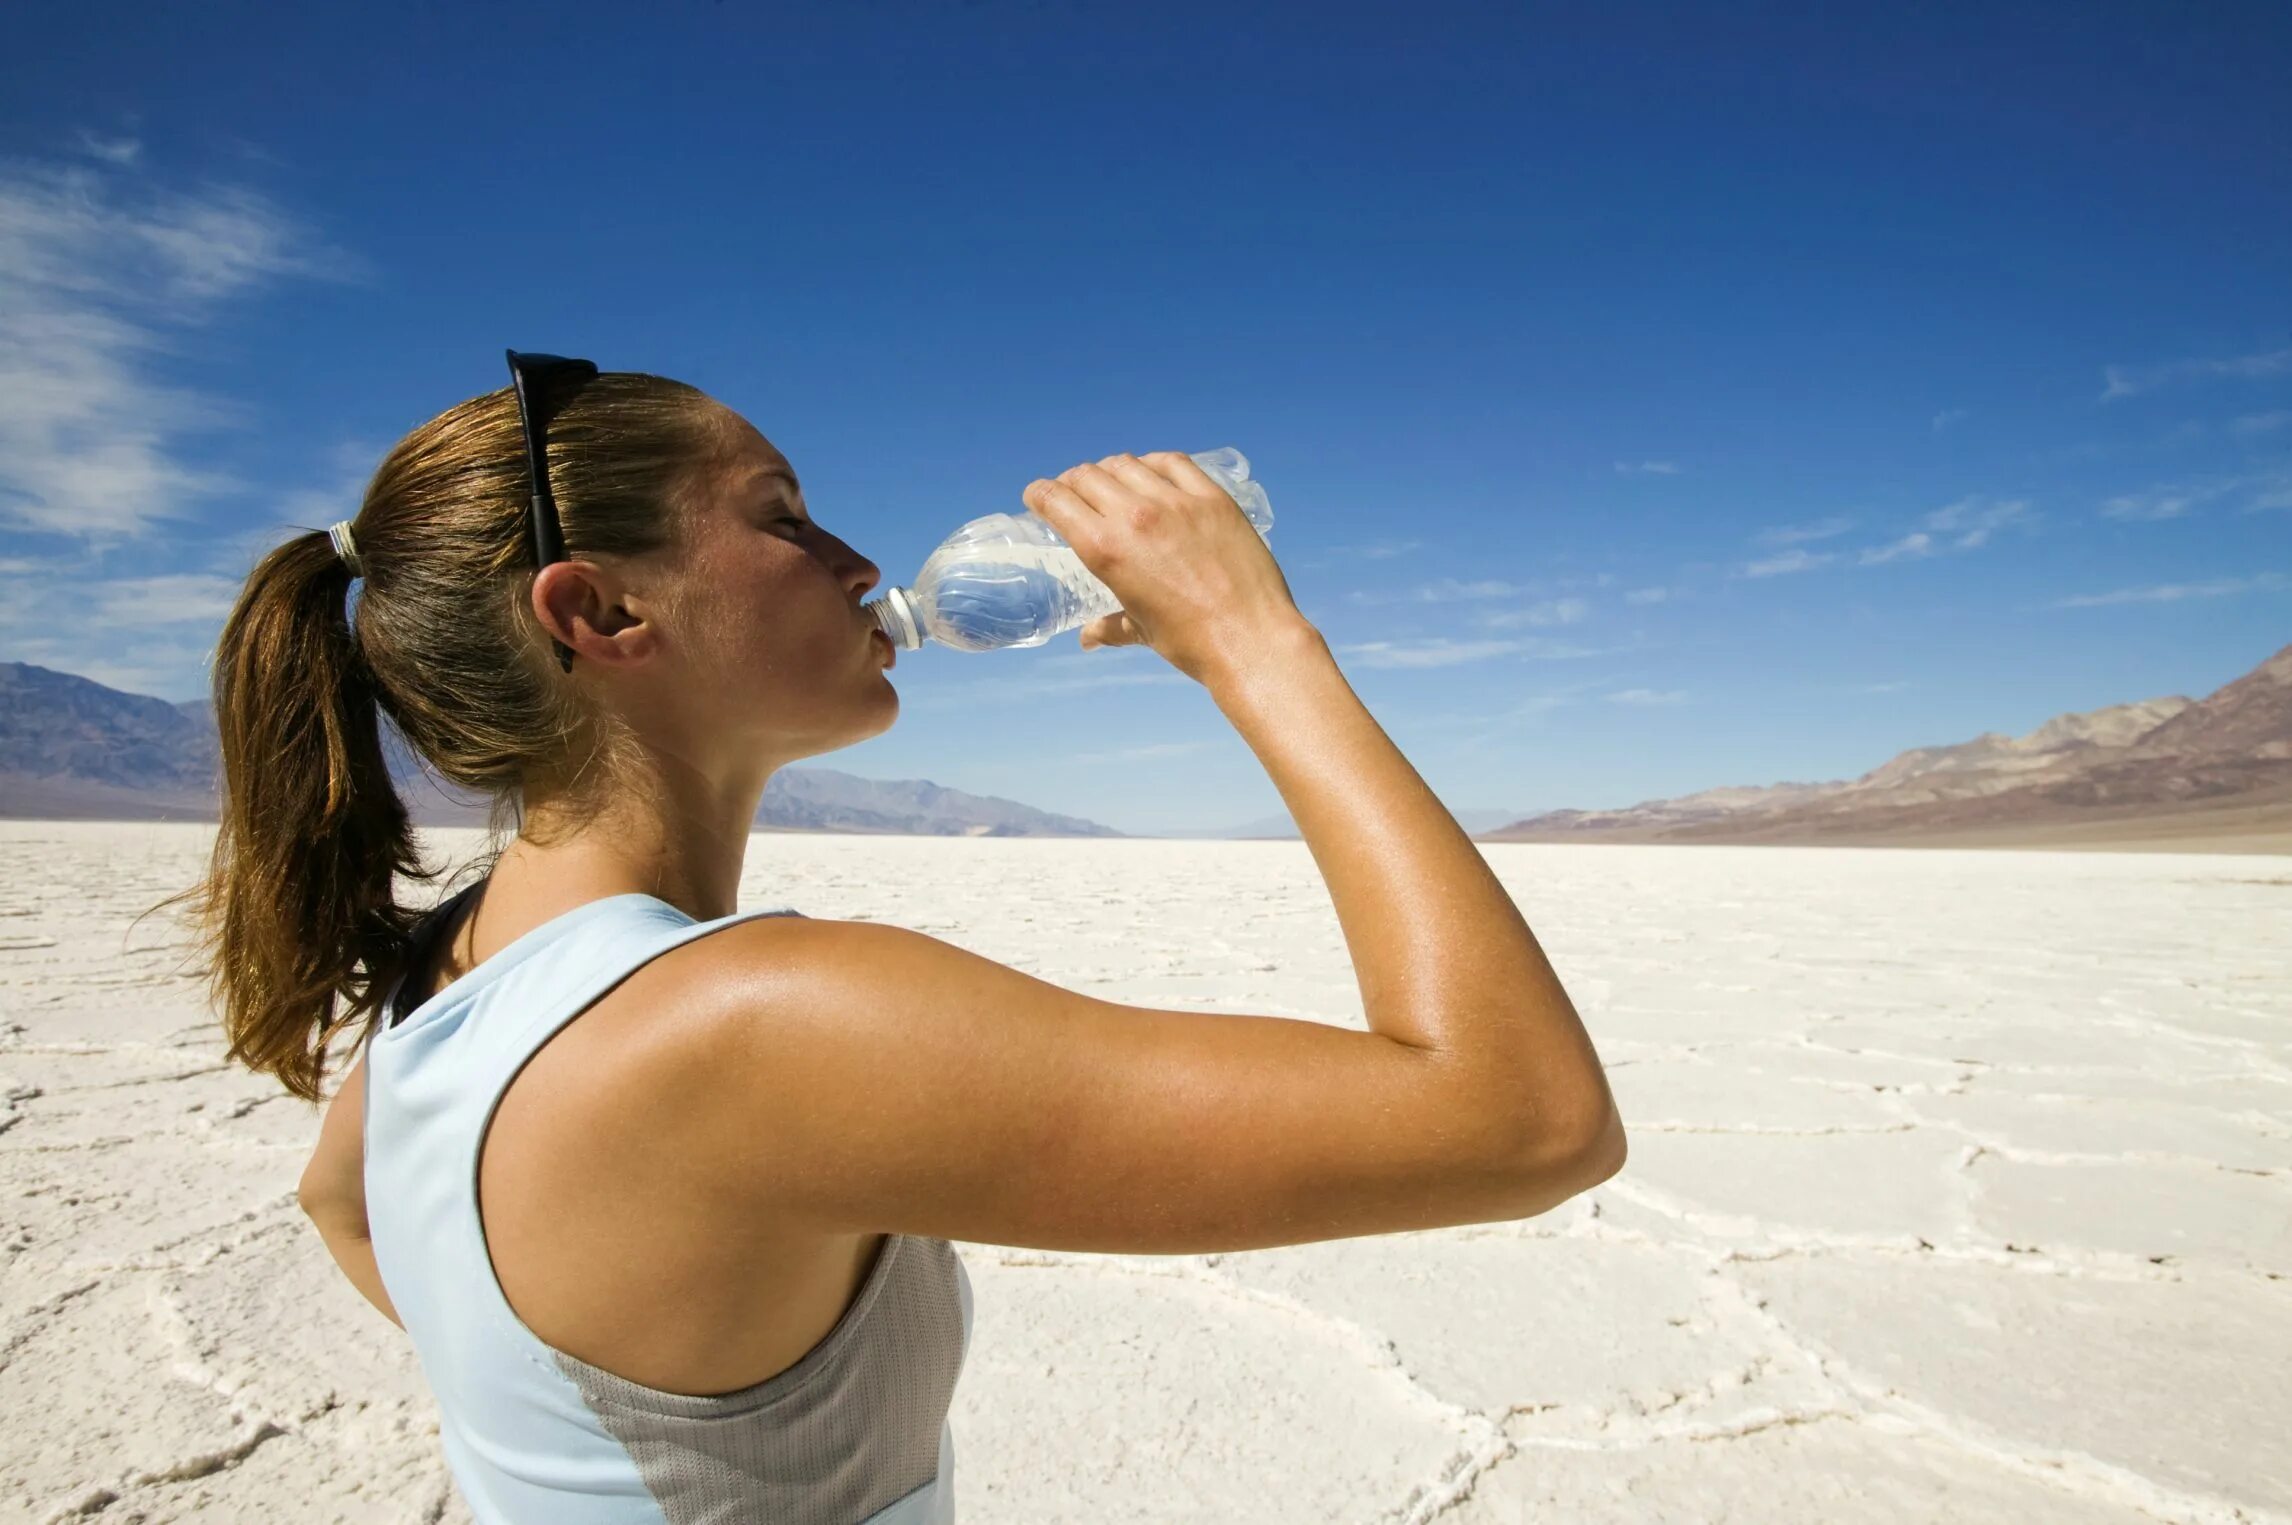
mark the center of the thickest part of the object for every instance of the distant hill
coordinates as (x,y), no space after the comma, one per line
(73,749)
(2161,770)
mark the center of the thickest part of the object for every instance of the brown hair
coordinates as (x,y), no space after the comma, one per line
(301,927)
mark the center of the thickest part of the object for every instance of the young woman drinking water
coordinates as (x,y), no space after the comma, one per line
(663,1192)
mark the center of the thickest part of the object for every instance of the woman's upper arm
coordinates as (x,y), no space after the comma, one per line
(333,1184)
(867,1078)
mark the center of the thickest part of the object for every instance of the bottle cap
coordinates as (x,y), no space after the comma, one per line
(895,616)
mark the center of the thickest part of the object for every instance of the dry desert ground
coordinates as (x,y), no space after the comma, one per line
(1960,1189)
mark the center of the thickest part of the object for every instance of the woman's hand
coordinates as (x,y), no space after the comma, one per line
(1196,580)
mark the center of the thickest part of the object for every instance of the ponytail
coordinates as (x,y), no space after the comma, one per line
(298,908)
(300,928)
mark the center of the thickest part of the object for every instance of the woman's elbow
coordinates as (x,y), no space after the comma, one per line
(1573,1154)
(1604,1154)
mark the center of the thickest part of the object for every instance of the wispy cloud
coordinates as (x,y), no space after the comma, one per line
(350,465)
(1964,525)
(2178,500)
(100,269)
(1054,677)
(2132,380)
(1788,562)
(1557,611)
(2173,593)
(1908,547)
(121,151)
(1648,596)
(1140,754)
(1949,416)
(175,598)
(2261,423)
(2157,503)
(1648,468)
(1969,522)
(1447,590)
(1876,688)
(1648,696)
(1377,550)
(1439,651)
(1803,534)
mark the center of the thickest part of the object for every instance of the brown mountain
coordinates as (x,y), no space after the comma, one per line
(73,749)
(2213,772)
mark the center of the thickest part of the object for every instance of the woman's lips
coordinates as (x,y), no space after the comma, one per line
(890,652)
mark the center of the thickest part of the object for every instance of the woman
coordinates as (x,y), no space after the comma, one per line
(721,1156)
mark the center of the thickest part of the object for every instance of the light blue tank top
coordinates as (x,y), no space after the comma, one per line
(854,1432)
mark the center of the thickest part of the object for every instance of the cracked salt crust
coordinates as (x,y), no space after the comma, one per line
(1961,1187)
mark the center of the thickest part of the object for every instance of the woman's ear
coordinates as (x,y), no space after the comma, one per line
(582,605)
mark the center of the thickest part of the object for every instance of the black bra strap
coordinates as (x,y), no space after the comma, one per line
(427,933)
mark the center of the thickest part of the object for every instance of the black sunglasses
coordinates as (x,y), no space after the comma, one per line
(533,376)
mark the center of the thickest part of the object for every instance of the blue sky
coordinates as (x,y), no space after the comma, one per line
(1650,398)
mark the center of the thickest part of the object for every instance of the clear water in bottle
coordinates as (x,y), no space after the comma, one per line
(1011,580)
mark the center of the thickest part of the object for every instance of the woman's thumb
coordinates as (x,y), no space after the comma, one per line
(1109,630)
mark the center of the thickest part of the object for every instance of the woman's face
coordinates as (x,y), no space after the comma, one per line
(765,634)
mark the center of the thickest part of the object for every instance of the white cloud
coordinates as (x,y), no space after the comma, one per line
(2173,593)
(1054,679)
(2267,489)
(1802,534)
(2261,423)
(1973,520)
(2156,503)
(1648,468)
(1647,596)
(1140,754)
(1908,547)
(1381,550)
(121,151)
(1438,652)
(350,466)
(175,598)
(1559,611)
(1647,696)
(1964,525)
(1789,561)
(1949,416)
(2132,380)
(1442,652)
(99,269)
(1448,590)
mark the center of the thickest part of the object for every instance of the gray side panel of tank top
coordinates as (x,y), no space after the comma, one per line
(859,1430)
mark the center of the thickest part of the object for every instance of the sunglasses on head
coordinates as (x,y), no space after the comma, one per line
(540,382)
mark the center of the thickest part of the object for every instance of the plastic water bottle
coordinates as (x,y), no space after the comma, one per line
(1011,580)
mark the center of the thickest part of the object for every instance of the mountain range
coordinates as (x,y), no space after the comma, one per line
(2211,771)
(71,748)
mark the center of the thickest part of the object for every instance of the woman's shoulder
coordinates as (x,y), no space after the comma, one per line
(740,972)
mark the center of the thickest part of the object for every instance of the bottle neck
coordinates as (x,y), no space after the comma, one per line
(896,616)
